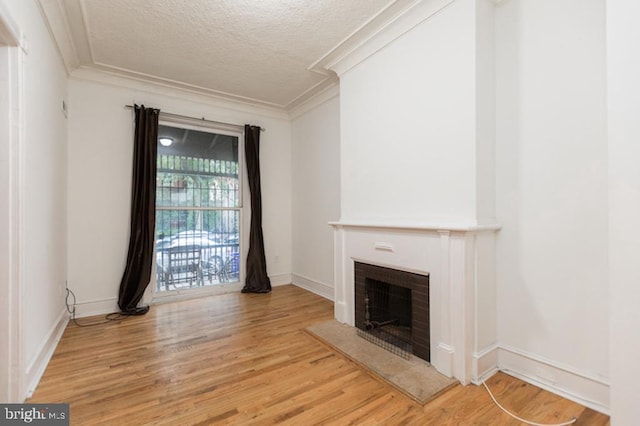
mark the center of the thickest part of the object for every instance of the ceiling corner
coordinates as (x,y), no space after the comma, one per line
(396,19)
(321,93)
(77,20)
(55,18)
(362,34)
(9,31)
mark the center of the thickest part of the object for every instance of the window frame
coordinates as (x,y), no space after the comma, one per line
(152,295)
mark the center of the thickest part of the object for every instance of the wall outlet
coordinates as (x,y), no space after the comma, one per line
(276,259)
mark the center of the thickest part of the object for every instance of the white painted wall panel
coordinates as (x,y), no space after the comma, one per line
(552,182)
(316,192)
(485,112)
(408,125)
(624,208)
(43,243)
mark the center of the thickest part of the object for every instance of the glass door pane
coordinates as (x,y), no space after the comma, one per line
(198,204)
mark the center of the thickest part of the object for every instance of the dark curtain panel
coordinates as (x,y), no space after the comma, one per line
(257,280)
(137,272)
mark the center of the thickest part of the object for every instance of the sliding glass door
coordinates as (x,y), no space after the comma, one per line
(198,209)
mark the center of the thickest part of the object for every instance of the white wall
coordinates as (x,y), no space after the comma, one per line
(42,198)
(316,195)
(552,192)
(9,58)
(409,126)
(485,113)
(624,208)
(100,163)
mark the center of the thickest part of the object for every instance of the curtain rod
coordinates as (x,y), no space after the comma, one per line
(239,126)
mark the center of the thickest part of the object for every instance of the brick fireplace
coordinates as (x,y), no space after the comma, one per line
(460,266)
(392,309)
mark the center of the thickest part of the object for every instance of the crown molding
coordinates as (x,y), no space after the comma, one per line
(138,76)
(316,90)
(182,92)
(316,100)
(71,39)
(67,24)
(79,29)
(55,18)
(393,21)
(10,34)
(363,33)
(397,19)
(308,100)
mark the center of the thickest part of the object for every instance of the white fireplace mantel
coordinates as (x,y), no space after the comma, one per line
(418,226)
(460,261)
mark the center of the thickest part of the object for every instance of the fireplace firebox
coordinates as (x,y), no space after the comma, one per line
(392,309)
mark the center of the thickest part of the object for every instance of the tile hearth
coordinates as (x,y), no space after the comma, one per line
(414,377)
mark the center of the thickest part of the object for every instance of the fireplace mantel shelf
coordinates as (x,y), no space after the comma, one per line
(418,226)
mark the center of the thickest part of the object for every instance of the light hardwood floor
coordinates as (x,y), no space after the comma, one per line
(244,359)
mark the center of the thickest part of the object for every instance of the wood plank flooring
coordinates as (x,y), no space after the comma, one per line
(243,359)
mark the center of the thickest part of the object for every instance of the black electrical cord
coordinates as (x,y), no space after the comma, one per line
(71,308)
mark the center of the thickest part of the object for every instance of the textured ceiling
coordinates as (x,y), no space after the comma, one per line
(260,50)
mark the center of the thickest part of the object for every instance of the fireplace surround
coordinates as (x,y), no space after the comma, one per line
(460,263)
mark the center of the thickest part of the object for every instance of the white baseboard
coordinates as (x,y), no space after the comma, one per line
(443,359)
(340,312)
(97,307)
(568,382)
(280,279)
(321,289)
(107,306)
(38,365)
(484,364)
